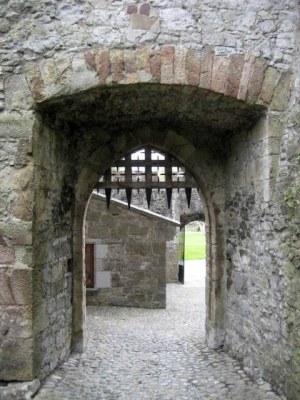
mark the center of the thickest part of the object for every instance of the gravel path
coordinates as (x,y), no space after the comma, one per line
(136,354)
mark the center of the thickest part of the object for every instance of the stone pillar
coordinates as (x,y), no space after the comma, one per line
(16,268)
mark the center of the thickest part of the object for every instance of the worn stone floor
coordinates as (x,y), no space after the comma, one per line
(136,354)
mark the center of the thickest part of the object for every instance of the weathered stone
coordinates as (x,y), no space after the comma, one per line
(117,65)
(269,84)
(143,64)
(49,74)
(16,125)
(145,9)
(16,355)
(206,67)
(90,59)
(234,75)
(21,285)
(142,22)
(17,93)
(126,241)
(282,92)
(180,66)
(246,74)
(132,9)
(219,74)
(256,80)
(7,255)
(167,65)
(193,68)
(20,391)
(155,66)
(102,65)
(80,128)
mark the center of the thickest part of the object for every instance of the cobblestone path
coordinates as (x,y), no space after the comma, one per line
(137,354)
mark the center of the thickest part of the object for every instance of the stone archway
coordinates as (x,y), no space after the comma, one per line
(92,108)
(212,201)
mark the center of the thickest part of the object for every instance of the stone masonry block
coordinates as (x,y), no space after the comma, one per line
(7,255)
(101,250)
(256,80)
(16,359)
(24,207)
(246,74)
(102,61)
(282,92)
(15,322)
(143,22)
(143,64)
(17,93)
(17,231)
(193,68)
(155,66)
(16,125)
(269,84)
(49,72)
(219,74)
(130,66)
(103,279)
(6,295)
(117,65)
(234,75)
(132,9)
(206,67)
(180,65)
(145,9)
(21,285)
(167,65)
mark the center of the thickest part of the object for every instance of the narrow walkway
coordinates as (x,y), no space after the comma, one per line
(137,354)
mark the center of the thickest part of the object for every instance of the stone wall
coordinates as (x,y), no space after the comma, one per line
(159,202)
(262,230)
(133,251)
(81,73)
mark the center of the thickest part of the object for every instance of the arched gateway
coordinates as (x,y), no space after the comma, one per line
(91,109)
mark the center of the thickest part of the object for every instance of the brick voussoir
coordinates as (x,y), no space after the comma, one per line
(256,80)
(167,65)
(193,68)
(206,67)
(155,66)
(180,65)
(234,74)
(117,65)
(102,61)
(246,74)
(219,74)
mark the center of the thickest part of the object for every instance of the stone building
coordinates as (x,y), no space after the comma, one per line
(213,83)
(135,252)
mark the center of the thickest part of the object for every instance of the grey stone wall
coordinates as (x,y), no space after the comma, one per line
(159,202)
(52,252)
(134,249)
(262,252)
(43,59)
(47,27)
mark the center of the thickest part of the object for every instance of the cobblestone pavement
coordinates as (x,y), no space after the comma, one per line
(139,354)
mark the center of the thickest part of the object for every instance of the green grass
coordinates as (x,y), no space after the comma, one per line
(194,246)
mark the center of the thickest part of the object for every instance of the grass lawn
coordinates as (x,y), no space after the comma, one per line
(194,246)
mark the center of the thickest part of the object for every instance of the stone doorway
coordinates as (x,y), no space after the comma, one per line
(83,123)
(84,142)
